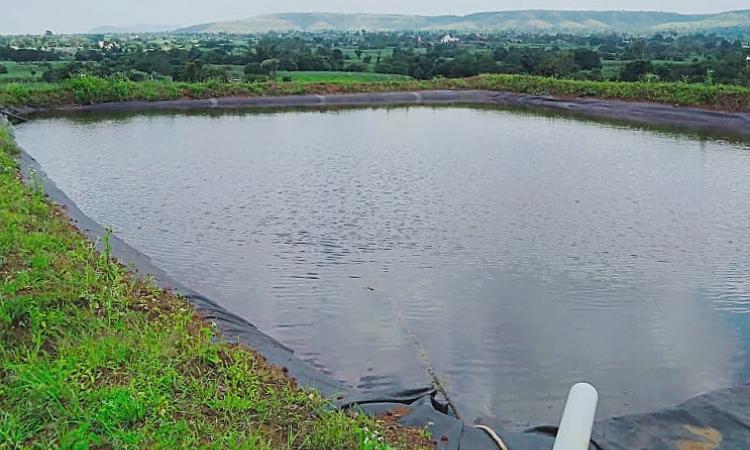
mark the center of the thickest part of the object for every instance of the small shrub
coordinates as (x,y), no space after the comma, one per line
(87,89)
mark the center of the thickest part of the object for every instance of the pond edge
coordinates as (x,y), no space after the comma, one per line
(643,113)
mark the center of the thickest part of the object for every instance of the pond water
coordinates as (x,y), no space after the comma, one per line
(513,254)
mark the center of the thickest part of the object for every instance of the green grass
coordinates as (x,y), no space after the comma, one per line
(91,357)
(612,68)
(341,77)
(351,55)
(26,72)
(87,90)
(720,97)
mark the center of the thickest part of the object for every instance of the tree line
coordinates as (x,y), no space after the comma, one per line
(668,57)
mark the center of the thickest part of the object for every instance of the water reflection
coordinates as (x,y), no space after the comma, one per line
(512,253)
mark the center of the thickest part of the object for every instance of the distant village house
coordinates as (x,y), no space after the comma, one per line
(448,39)
(107,45)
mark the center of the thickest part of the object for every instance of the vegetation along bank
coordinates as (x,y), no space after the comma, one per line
(91,356)
(93,90)
(690,68)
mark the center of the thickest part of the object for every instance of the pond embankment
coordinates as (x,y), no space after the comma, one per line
(642,113)
(594,98)
(645,113)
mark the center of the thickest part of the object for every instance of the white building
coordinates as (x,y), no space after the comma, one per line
(107,45)
(448,39)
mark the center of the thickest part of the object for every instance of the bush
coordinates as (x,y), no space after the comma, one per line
(89,89)
(253,69)
(52,75)
(252,78)
(356,67)
(636,70)
(136,76)
(3,69)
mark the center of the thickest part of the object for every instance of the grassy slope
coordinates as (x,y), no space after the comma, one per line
(95,90)
(91,357)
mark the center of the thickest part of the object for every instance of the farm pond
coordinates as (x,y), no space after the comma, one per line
(511,254)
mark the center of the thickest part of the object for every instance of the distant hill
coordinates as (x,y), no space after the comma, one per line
(531,21)
(107,29)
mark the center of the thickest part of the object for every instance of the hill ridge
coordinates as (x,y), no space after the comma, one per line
(531,20)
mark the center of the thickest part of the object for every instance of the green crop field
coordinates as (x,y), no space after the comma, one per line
(25,72)
(350,52)
(611,68)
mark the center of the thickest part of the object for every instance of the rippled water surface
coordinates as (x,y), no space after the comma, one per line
(515,254)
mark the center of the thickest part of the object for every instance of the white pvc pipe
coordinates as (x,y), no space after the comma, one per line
(577,419)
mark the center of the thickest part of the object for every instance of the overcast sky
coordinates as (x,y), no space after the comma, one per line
(65,16)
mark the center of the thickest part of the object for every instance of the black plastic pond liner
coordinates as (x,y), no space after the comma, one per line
(717,420)
(643,113)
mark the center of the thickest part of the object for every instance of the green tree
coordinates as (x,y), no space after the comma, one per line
(338,57)
(732,70)
(558,64)
(270,66)
(587,59)
(192,71)
(636,70)
(253,69)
